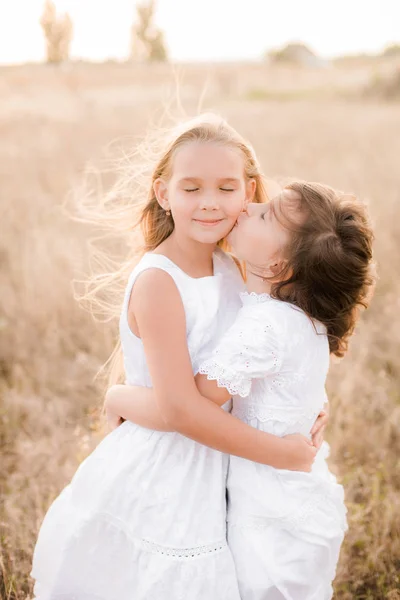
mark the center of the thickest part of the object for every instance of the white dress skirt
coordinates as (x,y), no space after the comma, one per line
(285,528)
(144,517)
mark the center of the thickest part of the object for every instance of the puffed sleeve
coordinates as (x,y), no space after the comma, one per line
(250,349)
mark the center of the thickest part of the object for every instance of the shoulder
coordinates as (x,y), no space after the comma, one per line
(155,293)
(152,282)
(290,319)
(156,307)
(257,324)
(251,349)
(267,321)
(155,273)
(264,310)
(292,314)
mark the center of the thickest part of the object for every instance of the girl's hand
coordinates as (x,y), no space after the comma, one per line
(317,431)
(300,453)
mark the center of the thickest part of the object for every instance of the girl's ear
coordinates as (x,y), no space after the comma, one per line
(161,192)
(277,267)
(251,186)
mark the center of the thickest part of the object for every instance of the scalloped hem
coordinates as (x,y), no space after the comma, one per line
(226,378)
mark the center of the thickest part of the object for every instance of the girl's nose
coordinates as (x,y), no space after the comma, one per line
(209,202)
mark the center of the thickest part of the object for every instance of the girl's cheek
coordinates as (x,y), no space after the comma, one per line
(183,207)
(235,208)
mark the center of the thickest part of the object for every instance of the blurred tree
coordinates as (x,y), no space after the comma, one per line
(295,53)
(58,30)
(385,85)
(148,42)
(393,50)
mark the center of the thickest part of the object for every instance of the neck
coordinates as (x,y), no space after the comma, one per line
(255,283)
(195,258)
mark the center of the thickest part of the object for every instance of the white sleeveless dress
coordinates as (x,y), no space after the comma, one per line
(285,528)
(144,517)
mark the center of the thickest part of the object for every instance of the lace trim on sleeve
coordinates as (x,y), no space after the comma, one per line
(226,377)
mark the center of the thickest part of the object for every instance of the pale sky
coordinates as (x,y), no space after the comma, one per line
(207,29)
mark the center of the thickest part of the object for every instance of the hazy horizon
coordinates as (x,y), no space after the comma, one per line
(238,32)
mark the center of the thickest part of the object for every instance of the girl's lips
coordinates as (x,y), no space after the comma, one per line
(208,223)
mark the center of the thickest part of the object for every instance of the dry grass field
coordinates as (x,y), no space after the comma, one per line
(316,125)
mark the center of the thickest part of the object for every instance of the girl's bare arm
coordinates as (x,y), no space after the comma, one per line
(139,405)
(162,329)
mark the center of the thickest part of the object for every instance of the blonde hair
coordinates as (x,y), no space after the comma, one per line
(135,221)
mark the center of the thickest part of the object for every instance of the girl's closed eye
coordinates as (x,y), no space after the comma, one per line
(197,189)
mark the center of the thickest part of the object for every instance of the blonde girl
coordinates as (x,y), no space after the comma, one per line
(145,514)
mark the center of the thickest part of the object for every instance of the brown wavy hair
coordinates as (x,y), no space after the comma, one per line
(329,272)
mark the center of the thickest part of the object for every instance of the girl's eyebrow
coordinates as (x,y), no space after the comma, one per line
(197,179)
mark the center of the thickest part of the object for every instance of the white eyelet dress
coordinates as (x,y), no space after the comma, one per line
(285,528)
(144,517)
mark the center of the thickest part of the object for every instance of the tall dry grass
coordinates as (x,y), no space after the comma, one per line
(51,123)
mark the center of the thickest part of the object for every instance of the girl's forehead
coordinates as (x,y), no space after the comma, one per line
(208,159)
(287,200)
(287,207)
(291,195)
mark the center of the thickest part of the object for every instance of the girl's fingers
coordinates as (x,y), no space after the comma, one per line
(320,422)
(318,438)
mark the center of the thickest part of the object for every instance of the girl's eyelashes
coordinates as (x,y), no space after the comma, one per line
(197,189)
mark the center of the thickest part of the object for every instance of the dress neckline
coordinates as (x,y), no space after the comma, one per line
(215,257)
(254,297)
